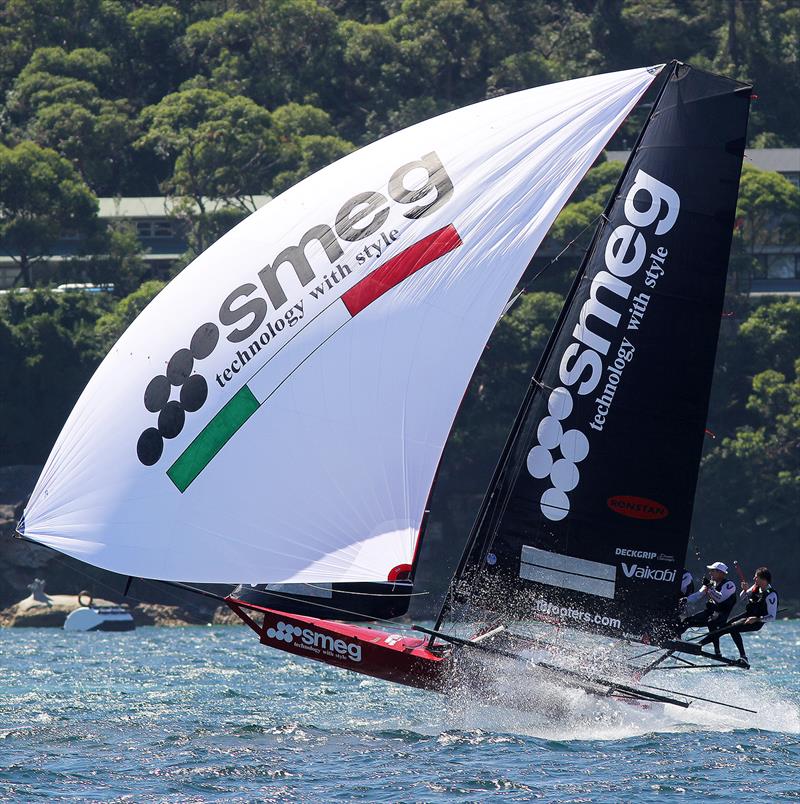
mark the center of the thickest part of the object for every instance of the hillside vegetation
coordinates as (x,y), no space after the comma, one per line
(228,100)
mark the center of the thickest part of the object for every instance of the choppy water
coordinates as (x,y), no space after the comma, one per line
(207,714)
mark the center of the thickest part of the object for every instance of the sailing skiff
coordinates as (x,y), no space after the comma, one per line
(276,416)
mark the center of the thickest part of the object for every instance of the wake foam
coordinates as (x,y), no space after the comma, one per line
(501,698)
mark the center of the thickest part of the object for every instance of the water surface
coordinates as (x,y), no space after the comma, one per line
(208,714)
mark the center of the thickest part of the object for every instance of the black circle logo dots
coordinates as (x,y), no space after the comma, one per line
(171,419)
(180,367)
(193,394)
(156,394)
(204,341)
(150,446)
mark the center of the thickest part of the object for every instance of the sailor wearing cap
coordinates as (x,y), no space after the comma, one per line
(720,597)
(762,607)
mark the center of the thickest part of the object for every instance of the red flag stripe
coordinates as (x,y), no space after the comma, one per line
(401,266)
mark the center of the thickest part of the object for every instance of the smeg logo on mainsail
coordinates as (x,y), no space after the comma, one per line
(584,360)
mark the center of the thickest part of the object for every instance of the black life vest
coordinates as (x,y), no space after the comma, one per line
(757,604)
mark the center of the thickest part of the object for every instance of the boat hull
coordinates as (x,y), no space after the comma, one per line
(99,618)
(448,669)
(369,651)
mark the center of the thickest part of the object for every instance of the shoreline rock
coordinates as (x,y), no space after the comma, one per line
(31,613)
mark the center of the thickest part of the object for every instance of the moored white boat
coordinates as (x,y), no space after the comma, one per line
(100,618)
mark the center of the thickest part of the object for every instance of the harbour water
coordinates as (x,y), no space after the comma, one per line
(207,714)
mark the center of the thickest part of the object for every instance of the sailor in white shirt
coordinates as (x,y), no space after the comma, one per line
(719,595)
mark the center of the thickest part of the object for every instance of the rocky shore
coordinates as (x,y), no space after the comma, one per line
(30,613)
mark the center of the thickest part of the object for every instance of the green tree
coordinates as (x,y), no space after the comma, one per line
(26,25)
(443,44)
(110,326)
(95,136)
(311,153)
(552,43)
(750,476)
(375,77)
(47,345)
(582,213)
(752,480)
(759,41)
(154,63)
(308,142)
(221,147)
(116,259)
(41,197)
(768,209)
(55,75)
(55,102)
(770,337)
(767,214)
(275,51)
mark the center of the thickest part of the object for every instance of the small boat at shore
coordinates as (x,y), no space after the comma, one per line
(98,617)
(277,415)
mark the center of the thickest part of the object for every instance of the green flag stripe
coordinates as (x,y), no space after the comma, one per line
(212,438)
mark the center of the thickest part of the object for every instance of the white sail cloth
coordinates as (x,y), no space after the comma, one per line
(278,412)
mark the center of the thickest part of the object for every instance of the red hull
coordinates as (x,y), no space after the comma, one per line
(402,660)
(392,657)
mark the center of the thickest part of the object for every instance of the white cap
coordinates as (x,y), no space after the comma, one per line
(718,565)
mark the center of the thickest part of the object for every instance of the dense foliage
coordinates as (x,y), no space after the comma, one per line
(227,99)
(135,95)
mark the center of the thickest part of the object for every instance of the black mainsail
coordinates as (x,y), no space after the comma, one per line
(587,519)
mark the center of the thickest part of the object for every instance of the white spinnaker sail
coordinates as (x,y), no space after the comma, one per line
(278,412)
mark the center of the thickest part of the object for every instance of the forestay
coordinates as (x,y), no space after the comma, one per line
(587,520)
(278,412)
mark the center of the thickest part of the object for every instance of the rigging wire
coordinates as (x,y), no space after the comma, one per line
(525,287)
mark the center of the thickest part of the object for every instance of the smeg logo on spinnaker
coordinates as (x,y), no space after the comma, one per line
(192,392)
(245,308)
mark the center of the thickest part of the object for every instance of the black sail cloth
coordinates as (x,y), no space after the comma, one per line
(587,518)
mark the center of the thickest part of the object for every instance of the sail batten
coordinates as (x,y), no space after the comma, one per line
(277,413)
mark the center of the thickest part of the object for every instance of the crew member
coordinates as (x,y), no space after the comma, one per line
(762,607)
(720,596)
